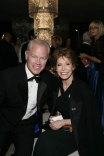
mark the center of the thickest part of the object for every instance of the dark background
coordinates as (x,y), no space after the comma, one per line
(72,14)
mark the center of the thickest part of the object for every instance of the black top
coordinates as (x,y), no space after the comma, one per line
(99,53)
(63,102)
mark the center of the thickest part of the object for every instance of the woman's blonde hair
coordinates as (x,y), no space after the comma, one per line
(99,24)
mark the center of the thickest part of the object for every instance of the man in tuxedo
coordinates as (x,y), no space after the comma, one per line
(24,89)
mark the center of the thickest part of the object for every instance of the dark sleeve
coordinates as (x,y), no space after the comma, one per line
(2,89)
(97,129)
(94,129)
(99,49)
(99,54)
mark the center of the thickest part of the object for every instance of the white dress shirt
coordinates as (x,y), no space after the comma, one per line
(32,95)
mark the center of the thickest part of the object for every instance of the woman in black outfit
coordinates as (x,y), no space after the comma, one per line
(79,128)
(96,30)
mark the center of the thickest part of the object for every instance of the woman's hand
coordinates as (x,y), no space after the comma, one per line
(83,56)
(50,119)
(92,58)
(55,125)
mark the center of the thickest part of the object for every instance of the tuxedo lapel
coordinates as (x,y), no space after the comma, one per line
(23,89)
(42,86)
(23,85)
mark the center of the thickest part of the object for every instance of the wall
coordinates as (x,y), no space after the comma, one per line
(21,25)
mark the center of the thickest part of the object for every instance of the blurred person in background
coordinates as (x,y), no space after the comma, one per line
(8,56)
(23,39)
(86,48)
(56,43)
(96,30)
(23,46)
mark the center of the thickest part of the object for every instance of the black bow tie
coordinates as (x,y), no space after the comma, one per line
(37,79)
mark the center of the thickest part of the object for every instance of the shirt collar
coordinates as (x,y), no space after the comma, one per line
(86,43)
(28,73)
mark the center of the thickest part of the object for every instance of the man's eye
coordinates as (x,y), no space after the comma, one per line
(33,56)
(43,58)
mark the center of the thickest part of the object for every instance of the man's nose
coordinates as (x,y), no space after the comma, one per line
(38,61)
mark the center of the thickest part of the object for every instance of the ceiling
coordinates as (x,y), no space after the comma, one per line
(77,10)
(82,10)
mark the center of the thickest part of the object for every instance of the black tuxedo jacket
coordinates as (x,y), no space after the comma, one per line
(84,118)
(14,96)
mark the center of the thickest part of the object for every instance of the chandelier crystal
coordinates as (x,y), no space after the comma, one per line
(43,12)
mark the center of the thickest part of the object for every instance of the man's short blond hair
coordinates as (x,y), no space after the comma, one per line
(40,43)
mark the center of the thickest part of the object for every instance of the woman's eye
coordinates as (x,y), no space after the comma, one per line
(58,64)
(67,64)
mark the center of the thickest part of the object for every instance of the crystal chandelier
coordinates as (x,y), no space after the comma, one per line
(43,12)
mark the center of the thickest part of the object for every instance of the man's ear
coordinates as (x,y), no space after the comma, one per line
(26,55)
(33,37)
